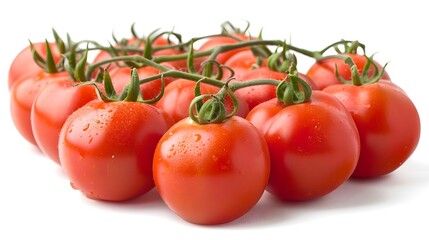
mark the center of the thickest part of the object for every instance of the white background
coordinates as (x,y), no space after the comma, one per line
(36,201)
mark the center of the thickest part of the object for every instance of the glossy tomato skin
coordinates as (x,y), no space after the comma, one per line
(242,62)
(22,95)
(179,94)
(314,146)
(51,108)
(388,124)
(213,173)
(121,77)
(217,41)
(322,72)
(106,149)
(24,66)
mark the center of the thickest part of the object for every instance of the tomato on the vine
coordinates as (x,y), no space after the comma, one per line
(314,146)
(121,77)
(322,72)
(24,66)
(388,124)
(257,94)
(51,108)
(211,173)
(106,148)
(179,94)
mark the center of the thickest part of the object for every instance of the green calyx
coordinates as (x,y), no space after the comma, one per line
(213,109)
(294,91)
(364,77)
(282,61)
(131,92)
(49,64)
(230,29)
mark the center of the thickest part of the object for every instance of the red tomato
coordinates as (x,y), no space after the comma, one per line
(242,62)
(217,41)
(314,146)
(106,149)
(121,77)
(24,66)
(322,72)
(51,108)
(22,95)
(388,124)
(257,94)
(212,173)
(179,94)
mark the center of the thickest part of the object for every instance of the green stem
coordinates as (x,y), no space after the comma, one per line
(220,49)
(134,58)
(238,85)
(313,54)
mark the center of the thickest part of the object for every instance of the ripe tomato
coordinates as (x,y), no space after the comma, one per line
(388,124)
(51,108)
(314,146)
(24,66)
(257,94)
(121,77)
(217,41)
(212,173)
(242,62)
(106,149)
(322,72)
(179,94)
(22,95)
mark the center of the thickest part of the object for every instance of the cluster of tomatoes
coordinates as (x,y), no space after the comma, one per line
(213,126)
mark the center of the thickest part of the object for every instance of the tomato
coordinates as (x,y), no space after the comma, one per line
(121,77)
(388,124)
(322,72)
(106,149)
(51,108)
(22,95)
(217,41)
(314,146)
(242,62)
(179,94)
(257,94)
(24,66)
(212,173)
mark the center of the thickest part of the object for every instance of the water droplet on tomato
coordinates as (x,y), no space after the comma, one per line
(197,137)
(85,127)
